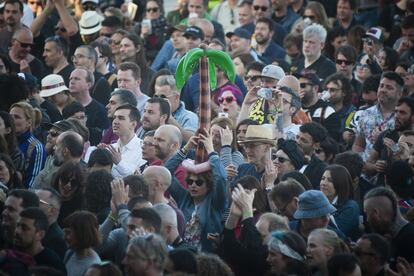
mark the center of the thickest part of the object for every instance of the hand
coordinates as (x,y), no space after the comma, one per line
(138,232)
(270,175)
(24,66)
(348,136)
(405,44)
(192,142)
(404,268)
(375,133)
(207,141)
(380,165)
(251,96)
(231,171)
(115,152)
(235,210)
(226,135)
(119,192)
(404,152)
(243,198)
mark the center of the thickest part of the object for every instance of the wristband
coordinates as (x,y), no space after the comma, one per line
(247,214)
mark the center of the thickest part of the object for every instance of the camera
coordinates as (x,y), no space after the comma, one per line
(265,93)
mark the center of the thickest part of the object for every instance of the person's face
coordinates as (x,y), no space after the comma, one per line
(51,54)
(12,14)
(241,132)
(34,5)
(127,49)
(362,68)
(228,104)
(25,234)
(338,42)
(4,172)
(82,58)
(279,4)
(122,124)
(101,59)
(133,265)
(148,148)
(240,69)
(134,224)
(343,10)
(22,123)
(409,80)
(285,207)
(163,145)
(115,43)
(46,204)
(403,117)
(245,15)
(287,108)
(113,104)
(3,129)
(262,33)
(327,186)
(80,116)
(365,254)
(260,8)
(152,10)
(343,65)
(215,134)
(268,82)
(11,211)
(152,118)
(196,6)
(308,13)
(58,99)
(106,31)
(282,162)
(312,46)
(387,91)
(77,82)
(167,93)
(335,92)
(252,78)
(305,141)
(409,140)
(51,138)
(276,261)
(127,81)
(178,40)
(256,152)
(239,43)
(382,55)
(408,33)
(3,69)
(22,44)
(293,51)
(70,237)
(192,42)
(197,186)
(317,252)
(61,31)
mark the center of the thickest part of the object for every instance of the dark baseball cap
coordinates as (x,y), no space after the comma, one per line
(310,75)
(195,32)
(240,32)
(62,125)
(180,28)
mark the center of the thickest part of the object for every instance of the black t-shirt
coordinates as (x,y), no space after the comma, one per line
(65,73)
(323,67)
(97,121)
(49,258)
(36,68)
(383,151)
(101,91)
(52,111)
(54,240)
(403,243)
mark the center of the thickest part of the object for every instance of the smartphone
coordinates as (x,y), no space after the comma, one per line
(147,23)
(223,115)
(265,93)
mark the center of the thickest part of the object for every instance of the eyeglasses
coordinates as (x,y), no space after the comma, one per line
(333,90)
(24,45)
(304,84)
(79,56)
(89,7)
(359,252)
(311,17)
(362,66)
(279,159)
(46,203)
(147,144)
(57,28)
(111,41)
(198,182)
(53,133)
(368,41)
(155,9)
(228,99)
(341,61)
(263,8)
(252,78)
(162,96)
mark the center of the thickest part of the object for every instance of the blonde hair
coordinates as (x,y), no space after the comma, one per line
(331,239)
(34,115)
(320,14)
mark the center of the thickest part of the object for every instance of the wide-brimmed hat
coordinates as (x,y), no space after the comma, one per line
(90,23)
(258,134)
(313,204)
(51,85)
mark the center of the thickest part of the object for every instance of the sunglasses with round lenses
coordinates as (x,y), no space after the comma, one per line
(198,182)
(152,10)
(342,61)
(228,99)
(263,8)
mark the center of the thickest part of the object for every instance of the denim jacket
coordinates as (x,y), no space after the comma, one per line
(213,205)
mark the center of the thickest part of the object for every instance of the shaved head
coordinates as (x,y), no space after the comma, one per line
(159,173)
(290,81)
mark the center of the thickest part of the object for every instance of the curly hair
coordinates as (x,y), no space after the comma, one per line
(98,192)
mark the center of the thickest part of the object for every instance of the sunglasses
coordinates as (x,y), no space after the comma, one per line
(53,133)
(311,17)
(228,99)
(341,61)
(263,8)
(161,96)
(252,78)
(114,42)
(89,7)
(63,30)
(279,159)
(304,84)
(198,182)
(152,10)
(24,45)
(363,66)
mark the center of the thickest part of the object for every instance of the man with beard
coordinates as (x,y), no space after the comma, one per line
(380,117)
(44,177)
(19,54)
(126,152)
(386,144)
(157,112)
(30,230)
(68,148)
(16,201)
(267,50)
(13,13)
(384,218)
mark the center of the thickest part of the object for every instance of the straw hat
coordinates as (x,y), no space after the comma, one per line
(51,85)
(260,134)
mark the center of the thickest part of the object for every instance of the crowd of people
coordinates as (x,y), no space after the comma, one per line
(309,155)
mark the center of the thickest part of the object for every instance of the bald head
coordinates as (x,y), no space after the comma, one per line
(290,81)
(167,214)
(23,34)
(72,141)
(172,132)
(207,27)
(159,174)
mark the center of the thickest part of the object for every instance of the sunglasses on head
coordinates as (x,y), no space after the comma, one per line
(263,8)
(228,99)
(198,182)
(252,78)
(341,61)
(152,9)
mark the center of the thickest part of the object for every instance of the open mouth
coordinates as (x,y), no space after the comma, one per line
(225,110)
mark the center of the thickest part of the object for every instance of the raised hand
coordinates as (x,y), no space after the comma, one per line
(119,192)
(226,135)
(207,141)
